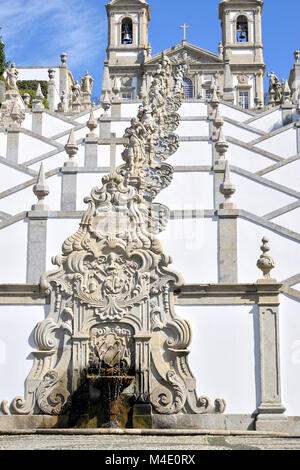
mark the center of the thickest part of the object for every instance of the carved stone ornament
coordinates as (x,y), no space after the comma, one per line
(243,79)
(111,294)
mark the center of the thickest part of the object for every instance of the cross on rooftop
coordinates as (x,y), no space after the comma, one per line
(184,27)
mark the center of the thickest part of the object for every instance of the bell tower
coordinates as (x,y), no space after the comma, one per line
(241,22)
(128,46)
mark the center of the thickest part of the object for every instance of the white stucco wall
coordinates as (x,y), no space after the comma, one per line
(256,197)
(290,220)
(222,354)
(239,132)
(3,144)
(188,191)
(13,249)
(53,126)
(247,159)
(193,128)
(283,144)
(31,147)
(285,252)
(17,323)
(85,183)
(193,110)
(192,153)
(290,354)
(58,230)
(11,177)
(287,175)
(232,113)
(192,245)
(269,122)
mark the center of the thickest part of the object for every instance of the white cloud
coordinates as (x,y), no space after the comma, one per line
(36,32)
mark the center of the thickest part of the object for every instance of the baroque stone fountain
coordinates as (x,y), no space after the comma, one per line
(112,340)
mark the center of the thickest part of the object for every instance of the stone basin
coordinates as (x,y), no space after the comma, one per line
(111,387)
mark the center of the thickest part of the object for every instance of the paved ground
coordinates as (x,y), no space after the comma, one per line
(170,443)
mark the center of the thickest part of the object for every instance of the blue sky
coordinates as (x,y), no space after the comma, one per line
(36,32)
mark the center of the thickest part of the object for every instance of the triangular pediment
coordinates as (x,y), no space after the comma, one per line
(195,55)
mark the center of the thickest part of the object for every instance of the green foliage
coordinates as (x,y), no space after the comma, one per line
(3,63)
(32,93)
(32,85)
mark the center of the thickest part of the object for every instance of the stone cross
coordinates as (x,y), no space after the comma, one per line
(184,27)
(113,149)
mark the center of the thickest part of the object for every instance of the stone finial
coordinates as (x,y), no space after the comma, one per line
(16,115)
(221,145)
(218,121)
(41,190)
(51,74)
(64,58)
(265,262)
(92,123)
(37,103)
(105,101)
(297,56)
(272,102)
(214,99)
(26,99)
(227,188)
(71,149)
(286,93)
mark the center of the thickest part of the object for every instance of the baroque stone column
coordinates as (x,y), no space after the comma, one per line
(37,231)
(12,150)
(227,243)
(270,410)
(91,142)
(69,176)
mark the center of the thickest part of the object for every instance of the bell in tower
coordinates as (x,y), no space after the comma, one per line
(127,31)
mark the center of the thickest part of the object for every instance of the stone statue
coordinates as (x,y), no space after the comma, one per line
(76,92)
(275,87)
(135,154)
(86,83)
(12,78)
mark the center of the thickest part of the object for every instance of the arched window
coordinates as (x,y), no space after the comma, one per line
(127,31)
(242,32)
(188,88)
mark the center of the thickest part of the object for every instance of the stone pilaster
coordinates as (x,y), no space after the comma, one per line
(37,244)
(105,126)
(287,113)
(270,410)
(69,188)
(227,233)
(228,94)
(63,75)
(37,121)
(12,150)
(91,152)
(51,96)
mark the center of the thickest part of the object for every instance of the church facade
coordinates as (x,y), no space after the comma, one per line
(150,244)
(238,69)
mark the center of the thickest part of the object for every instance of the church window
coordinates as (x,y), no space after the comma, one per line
(242,33)
(127,31)
(126,96)
(244,99)
(188,88)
